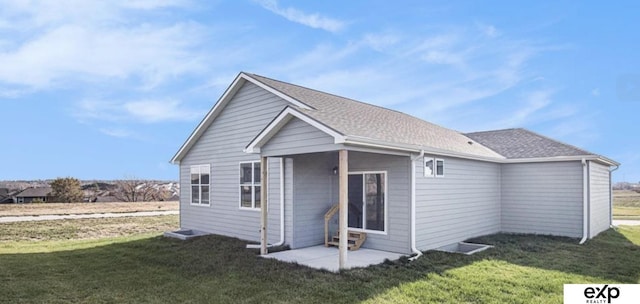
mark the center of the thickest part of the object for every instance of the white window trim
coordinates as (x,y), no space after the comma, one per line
(253,199)
(364,207)
(424,166)
(199,185)
(435,168)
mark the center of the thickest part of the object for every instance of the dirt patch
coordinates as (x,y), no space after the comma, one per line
(84,208)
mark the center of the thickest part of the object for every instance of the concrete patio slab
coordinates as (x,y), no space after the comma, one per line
(320,257)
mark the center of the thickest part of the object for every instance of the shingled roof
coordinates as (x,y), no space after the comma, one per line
(357,119)
(361,123)
(35,192)
(522,143)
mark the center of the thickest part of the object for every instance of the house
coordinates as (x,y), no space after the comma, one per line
(33,194)
(409,184)
(5,196)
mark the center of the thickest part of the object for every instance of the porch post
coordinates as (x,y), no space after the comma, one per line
(343,168)
(263,205)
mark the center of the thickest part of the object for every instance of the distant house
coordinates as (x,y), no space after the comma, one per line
(5,196)
(33,194)
(409,184)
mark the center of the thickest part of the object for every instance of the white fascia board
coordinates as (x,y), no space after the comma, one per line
(226,97)
(354,140)
(276,92)
(206,121)
(280,121)
(550,159)
(361,141)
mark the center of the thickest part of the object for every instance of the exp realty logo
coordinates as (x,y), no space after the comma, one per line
(601,293)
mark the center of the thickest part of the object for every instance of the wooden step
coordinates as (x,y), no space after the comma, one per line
(349,246)
(354,241)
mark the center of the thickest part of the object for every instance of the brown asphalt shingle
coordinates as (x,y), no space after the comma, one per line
(353,118)
(521,143)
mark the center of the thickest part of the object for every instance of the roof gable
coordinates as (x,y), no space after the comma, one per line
(226,97)
(353,122)
(280,121)
(361,122)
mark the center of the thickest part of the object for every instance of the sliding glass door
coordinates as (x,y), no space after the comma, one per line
(367,200)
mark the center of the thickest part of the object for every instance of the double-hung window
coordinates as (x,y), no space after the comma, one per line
(250,185)
(200,184)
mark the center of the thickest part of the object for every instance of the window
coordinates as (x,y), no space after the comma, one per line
(200,184)
(439,167)
(367,201)
(433,167)
(250,185)
(428,167)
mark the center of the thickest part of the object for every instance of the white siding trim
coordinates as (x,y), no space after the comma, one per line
(253,185)
(435,167)
(200,191)
(220,104)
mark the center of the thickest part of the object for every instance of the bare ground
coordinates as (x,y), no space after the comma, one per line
(83,208)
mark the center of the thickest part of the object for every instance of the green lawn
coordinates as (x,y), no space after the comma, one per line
(213,269)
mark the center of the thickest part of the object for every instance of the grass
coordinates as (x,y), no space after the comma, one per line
(82,229)
(152,269)
(626,205)
(83,208)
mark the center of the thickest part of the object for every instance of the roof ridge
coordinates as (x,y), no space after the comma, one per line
(331,94)
(498,130)
(353,100)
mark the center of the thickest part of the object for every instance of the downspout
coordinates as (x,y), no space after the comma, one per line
(413,206)
(281,242)
(611,195)
(585,202)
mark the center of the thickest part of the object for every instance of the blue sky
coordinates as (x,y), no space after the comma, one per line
(111,89)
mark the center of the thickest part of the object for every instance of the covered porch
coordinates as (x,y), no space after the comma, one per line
(371,187)
(321,257)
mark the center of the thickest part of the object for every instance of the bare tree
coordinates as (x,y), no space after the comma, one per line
(135,190)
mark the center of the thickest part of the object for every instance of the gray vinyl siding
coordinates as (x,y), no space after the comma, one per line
(222,146)
(398,234)
(298,137)
(316,190)
(542,198)
(312,198)
(462,204)
(599,205)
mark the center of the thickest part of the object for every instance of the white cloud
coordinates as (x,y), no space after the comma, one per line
(73,52)
(138,111)
(533,103)
(55,43)
(311,20)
